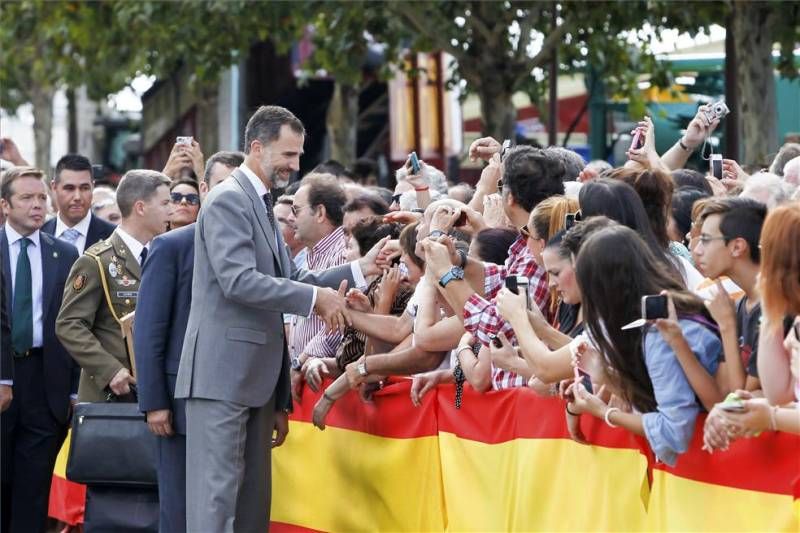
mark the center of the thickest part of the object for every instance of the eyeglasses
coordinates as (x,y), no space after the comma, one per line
(706,239)
(396,198)
(296,209)
(191,198)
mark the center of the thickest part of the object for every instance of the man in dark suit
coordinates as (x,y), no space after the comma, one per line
(45,378)
(72,187)
(162,311)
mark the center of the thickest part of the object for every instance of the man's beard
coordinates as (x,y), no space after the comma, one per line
(277,181)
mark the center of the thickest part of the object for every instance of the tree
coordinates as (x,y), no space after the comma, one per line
(502,47)
(342,34)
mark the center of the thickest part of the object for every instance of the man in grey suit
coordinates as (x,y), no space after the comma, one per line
(234,368)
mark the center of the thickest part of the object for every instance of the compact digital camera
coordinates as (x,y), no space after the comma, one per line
(718,110)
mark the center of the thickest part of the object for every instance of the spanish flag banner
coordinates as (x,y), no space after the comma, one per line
(504,461)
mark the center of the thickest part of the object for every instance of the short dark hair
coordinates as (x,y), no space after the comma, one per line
(362,169)
(325,190)
(228,159)
(190,183)
(333,167)
(493,244)
(740,218)
(369,231)
(571,240)
(138,185)
(682,203)
(686,177)
(13,174)
(74,162)
(531,175)
(572,161)
(266,123)
(372,202)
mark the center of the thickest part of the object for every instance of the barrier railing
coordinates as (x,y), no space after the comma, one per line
(504,461)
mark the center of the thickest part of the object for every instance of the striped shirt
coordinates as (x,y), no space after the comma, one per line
(309,333)
(480,314)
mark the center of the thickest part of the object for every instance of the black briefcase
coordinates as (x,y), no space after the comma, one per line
(112,445)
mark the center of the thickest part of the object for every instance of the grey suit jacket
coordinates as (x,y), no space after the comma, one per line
(244,280)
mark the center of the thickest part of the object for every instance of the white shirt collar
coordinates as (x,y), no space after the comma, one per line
(13,236)
(258,185)
(133,245)
(81,227)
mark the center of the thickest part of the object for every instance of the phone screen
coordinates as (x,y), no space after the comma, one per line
(569,220)
(414,163)
(716,167)
(586,380)
(511,284)
(654,307)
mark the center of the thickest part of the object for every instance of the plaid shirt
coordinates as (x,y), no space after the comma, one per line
(480,314)
(308,334)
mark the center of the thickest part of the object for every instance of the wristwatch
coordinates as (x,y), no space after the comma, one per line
(435,234)
(296,364)
(362,368)
(450,275)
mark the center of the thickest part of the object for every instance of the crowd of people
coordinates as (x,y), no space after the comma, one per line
(641,295)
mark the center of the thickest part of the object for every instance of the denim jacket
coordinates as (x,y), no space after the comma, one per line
(669,429)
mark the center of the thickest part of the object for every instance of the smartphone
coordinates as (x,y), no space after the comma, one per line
(415,168)
(569,221)
(505,148)
(98,173)
(716,165)
(638,140)
(654,307)
(518,285)
(496,341)
(184,140)
(585,378)
(732,403)
(461,220)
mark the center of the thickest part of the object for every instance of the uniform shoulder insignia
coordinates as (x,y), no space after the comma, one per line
(100,247)
(79,283)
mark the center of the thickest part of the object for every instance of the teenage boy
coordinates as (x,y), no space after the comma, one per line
(728,246)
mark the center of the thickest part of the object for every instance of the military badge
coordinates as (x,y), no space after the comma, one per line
(79,283)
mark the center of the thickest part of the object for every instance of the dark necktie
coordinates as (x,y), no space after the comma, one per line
(270,213)
(143,256)
(22,309)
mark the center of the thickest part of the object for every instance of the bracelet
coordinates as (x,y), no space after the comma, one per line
(435,234)
(684,147)
(425,188)
(461,349)
(463,256)
(566,407)
(773,422)
(608,412)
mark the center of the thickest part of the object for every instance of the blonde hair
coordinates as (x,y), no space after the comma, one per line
(548,216)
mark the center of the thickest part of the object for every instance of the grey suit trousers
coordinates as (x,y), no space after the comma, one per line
(228,470)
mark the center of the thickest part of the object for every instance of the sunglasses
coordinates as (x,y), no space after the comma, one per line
(191,198)
(297,208)
(396,198)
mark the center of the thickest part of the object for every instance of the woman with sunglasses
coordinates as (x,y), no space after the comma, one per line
(185,199)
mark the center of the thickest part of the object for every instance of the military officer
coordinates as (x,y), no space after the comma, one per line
(103,285)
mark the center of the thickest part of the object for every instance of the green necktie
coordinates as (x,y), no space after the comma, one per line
(22,311)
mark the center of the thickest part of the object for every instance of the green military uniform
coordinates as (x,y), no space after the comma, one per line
(101,289)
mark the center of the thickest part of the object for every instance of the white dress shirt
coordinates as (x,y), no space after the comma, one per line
(81,227)
(133,245)
(35,257)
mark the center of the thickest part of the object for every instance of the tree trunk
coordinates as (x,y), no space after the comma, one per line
(757,99)
(207,119)
(497,108)
(342,123)
(42,101)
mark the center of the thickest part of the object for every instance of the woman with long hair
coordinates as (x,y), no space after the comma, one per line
(615,269)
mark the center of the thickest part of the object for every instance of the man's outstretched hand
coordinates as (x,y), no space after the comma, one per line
(331,307)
